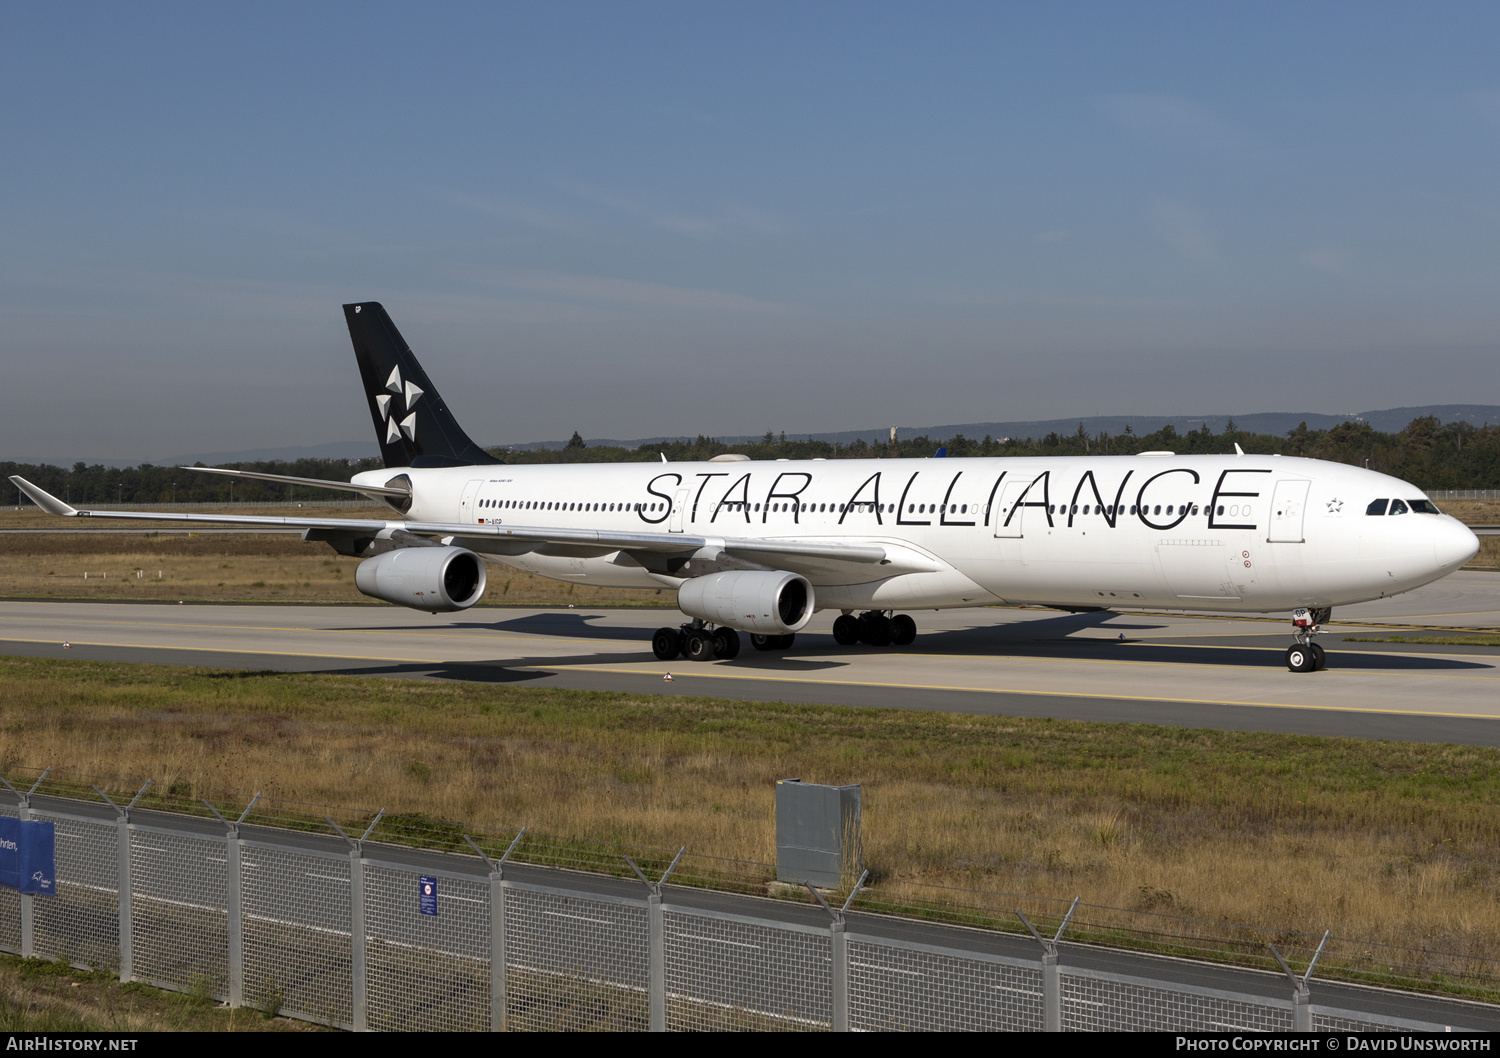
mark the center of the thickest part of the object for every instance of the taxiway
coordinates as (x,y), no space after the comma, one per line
(1180,669)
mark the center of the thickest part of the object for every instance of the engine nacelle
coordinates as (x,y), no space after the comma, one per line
(435,579)
(763,602)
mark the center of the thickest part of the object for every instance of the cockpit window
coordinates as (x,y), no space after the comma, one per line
(1424,506)
(1377,507)
(1397,507)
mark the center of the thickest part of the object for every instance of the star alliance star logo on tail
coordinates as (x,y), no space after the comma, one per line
(409,391)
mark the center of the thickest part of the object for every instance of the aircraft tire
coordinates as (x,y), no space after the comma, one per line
(875,629)
(1320,657)
(666,644)
(783,642)
(726,643)
(699,645)
(1299,658)
(846,630)
(760,642)
(903,630)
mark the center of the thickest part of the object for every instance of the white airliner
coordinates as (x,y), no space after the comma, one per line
(759,546)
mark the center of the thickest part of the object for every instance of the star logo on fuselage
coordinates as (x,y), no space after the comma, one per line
(1335,506)
(408,392)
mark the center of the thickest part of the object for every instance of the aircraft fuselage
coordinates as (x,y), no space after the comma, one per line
(1224,533)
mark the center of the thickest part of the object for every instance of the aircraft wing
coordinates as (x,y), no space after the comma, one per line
(788,553)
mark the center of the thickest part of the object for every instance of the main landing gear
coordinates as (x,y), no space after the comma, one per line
(874,628)
(698,642)
(1304,655)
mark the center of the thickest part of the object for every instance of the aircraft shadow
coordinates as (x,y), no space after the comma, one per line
(1052,636)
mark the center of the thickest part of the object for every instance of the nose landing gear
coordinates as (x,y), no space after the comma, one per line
(1304,655)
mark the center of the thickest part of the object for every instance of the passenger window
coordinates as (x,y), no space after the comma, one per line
(1397,507)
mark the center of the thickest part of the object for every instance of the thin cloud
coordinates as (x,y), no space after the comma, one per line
(523,213)
(1184,229)
(1487,106)
(628,292)
(730,221)
(1325,259)
(1181,124)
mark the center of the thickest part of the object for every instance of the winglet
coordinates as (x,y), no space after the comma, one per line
(1238,450)
(45,500)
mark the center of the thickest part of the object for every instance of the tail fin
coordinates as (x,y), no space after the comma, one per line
(413,424)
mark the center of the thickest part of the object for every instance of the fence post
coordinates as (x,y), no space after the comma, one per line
(839,939)
(499,999)
(1051,974)
(656,961)
(233,905)
(838,951)
(1051,993)
(360,995)
(1301,994)
(656,945)
(122,882)
(358,982)
(28,909)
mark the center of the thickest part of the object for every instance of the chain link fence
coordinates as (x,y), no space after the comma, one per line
(1440,495)
(355,935)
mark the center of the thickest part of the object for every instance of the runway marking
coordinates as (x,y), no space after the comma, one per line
(1012,690)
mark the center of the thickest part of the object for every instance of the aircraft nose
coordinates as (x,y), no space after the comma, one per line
(1454,544)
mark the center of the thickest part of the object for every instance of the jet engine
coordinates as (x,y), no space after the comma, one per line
(435,579)
(767,602)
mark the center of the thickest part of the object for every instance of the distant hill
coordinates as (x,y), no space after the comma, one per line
(1391,420)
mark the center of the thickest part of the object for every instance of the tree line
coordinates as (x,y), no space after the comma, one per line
(1457,455)
(1431,455)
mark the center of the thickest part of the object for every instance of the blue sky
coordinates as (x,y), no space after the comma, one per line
(635,219)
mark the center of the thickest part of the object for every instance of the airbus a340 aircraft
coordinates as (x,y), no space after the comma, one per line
(758,547)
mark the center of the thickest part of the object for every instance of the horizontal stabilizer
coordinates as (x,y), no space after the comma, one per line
(373,491)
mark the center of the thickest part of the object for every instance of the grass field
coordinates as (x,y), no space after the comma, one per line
(1391,843)
(234,567)
(40,996)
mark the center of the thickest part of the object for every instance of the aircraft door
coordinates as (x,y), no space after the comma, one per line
(679,505)
(1288,505)
(470,496)
(1006,516)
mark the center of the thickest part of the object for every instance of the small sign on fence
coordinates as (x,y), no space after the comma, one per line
(427,895)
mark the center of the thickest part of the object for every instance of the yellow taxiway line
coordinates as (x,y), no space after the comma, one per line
(1044,694)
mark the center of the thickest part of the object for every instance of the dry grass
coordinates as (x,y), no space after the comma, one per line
(39,996)
(1479,512)
(233,567)
(1393,843)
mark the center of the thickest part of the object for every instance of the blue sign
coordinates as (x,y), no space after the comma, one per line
(27,860)
(427,895)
